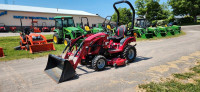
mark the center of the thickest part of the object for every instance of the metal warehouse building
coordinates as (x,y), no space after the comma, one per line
(10,15)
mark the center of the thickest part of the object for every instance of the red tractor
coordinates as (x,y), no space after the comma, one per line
(34,28)
(44,27)
(2,27)
(13,29)
(98,50)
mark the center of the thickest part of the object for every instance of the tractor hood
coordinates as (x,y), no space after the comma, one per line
(70,29)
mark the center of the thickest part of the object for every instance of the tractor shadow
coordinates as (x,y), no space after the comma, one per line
(140,58)
(89,70)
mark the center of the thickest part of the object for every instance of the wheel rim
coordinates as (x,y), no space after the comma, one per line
(65,42)
(131,54)
(55,39)
(101,63)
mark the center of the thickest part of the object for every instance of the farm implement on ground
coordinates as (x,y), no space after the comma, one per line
(44,27)
(2,27)
(33,42)
(98,50)
(1,52)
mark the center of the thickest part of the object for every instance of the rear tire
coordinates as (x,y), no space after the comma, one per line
(56,39)
(129,53)
(99,63)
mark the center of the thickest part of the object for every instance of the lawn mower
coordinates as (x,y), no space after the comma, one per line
(33,42)
(98,50)
(2,27)
(44,27)
(86,27)
(34,28)
(65,30)
(1,52)
(108,26)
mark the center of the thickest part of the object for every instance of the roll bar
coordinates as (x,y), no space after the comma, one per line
(133,15)
(82,21)
(106,19)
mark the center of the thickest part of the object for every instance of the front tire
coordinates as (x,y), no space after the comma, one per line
(99,63)
(56,39)
(66,41)
(129,53)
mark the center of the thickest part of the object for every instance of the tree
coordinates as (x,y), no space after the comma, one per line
(125,16)
(185,7)
(152,10)
(141,7)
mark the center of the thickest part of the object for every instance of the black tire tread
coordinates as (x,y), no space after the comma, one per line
(125,52)
(95,60)
(58,40)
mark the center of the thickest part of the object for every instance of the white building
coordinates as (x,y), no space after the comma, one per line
(10,15)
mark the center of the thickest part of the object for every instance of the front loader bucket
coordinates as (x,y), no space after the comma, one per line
(59,69)
(42,47)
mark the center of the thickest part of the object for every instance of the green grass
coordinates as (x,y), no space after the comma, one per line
(173,85)
(166,37)
(184,75)
(8,44)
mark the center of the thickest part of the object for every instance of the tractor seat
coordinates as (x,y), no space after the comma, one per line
(108,27)
(87,28)
(119,34)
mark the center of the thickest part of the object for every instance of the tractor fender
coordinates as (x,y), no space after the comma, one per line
(127,40)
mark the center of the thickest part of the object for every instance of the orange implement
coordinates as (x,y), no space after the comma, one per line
(1,52)
(41,47)
(36,30)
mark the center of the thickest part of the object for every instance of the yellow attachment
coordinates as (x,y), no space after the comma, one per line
(165,25)
(108,27)
(55,39)
(87,28)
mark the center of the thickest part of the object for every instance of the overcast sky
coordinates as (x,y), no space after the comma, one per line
(101,7)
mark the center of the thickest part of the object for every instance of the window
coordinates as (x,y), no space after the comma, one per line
(58,23)
(70,23)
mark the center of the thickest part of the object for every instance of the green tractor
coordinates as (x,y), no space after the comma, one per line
(108,27)
(86,27)
(175,27)
(163,31)
(65,30)
(142,29)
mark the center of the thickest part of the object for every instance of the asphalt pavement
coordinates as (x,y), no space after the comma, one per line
(155,59)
